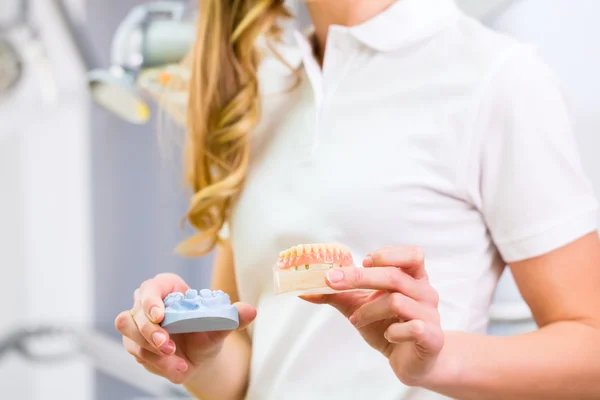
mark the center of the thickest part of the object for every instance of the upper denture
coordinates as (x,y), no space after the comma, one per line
(305,254)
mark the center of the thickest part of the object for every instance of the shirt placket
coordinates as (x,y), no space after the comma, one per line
(338,59)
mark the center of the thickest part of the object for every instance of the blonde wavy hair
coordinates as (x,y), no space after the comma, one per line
(221,109)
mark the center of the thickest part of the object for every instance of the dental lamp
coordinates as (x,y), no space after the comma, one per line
(152,35)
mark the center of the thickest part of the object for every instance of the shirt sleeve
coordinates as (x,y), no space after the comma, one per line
(525,172)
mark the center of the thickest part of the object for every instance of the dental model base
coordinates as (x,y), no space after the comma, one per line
(199,312)
(301,269)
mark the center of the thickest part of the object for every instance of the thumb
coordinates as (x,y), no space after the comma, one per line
(153,291)
(247,314)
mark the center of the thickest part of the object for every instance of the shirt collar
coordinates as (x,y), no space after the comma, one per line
(405,22)
(401,24)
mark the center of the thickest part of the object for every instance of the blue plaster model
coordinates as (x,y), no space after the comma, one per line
(199,312)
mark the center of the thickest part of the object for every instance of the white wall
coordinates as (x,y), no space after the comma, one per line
(45,213)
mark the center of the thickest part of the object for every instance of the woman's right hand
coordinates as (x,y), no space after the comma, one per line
(177,357)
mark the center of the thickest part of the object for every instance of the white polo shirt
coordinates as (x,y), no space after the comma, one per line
(424,128)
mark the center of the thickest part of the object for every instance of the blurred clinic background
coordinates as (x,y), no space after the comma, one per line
(90,202)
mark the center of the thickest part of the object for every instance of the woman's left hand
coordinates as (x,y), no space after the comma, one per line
(396,313)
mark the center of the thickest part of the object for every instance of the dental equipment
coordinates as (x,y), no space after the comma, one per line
(152,35)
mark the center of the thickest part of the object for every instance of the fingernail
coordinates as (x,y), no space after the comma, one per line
(182,367)
(169,348)
(158,338)
(335,275)
(155,314)
(368,261)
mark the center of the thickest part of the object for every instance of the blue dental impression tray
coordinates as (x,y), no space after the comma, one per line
(202,311)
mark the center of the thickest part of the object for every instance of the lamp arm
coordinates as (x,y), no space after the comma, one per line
(136,18)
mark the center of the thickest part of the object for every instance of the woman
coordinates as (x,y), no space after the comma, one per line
(439,150)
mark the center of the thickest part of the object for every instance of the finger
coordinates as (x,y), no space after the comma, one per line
(347,302)
(410,258)
(139,352)
(246,313)
(126,326)
(177,377)
(429,338)
(154,334)
(153,292)
(392,305)
(167,366)
(379,278)
(158,340)
(136,298)
(149,367)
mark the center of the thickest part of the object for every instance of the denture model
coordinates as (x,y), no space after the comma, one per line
(301,269)
(202,311)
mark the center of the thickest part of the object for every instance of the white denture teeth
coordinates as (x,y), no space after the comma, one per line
(313,256)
